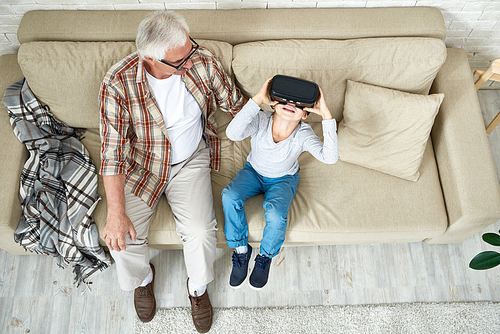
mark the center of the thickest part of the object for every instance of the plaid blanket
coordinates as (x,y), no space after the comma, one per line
(58,190)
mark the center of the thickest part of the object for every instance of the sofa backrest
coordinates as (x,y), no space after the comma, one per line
(64,62)
(239,26)
(66,76)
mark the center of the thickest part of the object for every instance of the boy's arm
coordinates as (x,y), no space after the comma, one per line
(327,152)
(245,123)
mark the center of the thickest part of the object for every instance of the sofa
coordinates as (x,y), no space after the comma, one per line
(64,55)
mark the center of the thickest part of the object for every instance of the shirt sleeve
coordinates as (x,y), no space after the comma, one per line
(228,96)
(114,121)
(327,152)
(245,123)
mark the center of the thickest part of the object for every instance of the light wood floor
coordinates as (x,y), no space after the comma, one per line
(38,297)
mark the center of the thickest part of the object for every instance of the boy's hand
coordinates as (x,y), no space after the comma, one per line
(320,107)
(262,96)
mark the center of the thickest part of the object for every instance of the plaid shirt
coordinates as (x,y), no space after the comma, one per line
(134,138)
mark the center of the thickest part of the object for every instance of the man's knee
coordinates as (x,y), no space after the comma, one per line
(199,232)
(132,265)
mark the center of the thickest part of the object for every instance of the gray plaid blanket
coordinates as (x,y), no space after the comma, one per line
(58,190)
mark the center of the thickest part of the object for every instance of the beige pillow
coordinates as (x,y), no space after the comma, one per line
(67,75)
(385,129)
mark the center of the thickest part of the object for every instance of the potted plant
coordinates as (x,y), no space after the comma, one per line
(488,259)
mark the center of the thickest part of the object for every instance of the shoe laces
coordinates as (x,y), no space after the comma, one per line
(144,292)
(238,259)
(199,303)
(262,262)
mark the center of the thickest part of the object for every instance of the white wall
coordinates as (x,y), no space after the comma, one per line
(472,24)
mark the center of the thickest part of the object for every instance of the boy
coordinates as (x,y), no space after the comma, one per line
(277,140)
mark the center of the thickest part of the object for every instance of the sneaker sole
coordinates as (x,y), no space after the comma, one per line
(237,286)
(254,287)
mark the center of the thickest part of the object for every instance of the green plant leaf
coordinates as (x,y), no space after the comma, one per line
(492,238)
(485,260)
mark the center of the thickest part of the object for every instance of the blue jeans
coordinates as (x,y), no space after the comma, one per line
(278,194)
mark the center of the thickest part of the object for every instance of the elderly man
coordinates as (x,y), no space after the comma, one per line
(157,118)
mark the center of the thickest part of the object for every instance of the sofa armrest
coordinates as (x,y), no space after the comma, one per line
(466,168)
(13,155)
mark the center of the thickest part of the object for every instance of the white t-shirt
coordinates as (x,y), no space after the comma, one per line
(181,113)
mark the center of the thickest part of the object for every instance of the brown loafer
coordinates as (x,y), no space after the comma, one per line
(202,313)
(144,300)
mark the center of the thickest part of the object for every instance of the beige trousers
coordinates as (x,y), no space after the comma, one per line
(189,194)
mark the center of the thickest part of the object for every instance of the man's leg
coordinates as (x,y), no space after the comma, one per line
(189,193)
(132,264)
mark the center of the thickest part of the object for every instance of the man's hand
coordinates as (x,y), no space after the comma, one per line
(117,226)
(262,96)
(320,107)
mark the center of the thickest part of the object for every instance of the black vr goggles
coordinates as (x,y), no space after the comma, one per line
(300,92)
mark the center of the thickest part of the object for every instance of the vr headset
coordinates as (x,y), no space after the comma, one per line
(300,92)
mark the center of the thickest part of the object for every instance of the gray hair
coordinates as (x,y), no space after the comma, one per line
(159,32)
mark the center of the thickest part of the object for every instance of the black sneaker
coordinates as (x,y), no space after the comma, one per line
(240,268)
(260,272)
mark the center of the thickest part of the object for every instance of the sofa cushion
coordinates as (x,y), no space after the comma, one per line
(66,75)
(385,129)
(345,203)
(406,64)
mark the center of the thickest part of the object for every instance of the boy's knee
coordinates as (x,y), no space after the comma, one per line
(275,215)
(231,197)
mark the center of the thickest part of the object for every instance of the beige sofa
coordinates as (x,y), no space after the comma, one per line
(64,55)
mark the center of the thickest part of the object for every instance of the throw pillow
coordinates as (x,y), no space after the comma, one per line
(385,129)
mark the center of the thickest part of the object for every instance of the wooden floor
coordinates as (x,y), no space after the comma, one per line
(38,297)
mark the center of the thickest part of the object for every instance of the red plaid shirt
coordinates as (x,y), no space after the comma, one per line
(134,139)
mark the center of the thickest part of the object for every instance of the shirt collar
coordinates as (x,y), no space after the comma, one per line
(141,71)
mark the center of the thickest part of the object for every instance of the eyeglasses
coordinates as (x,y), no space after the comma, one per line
(195,47)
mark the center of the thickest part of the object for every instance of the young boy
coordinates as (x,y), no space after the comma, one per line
(277,140)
